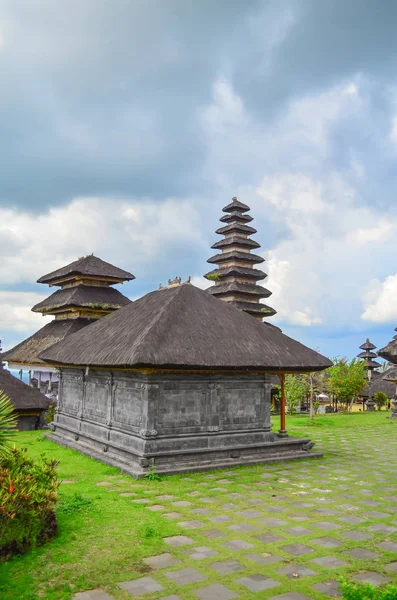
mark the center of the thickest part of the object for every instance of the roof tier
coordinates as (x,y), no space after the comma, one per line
(89,266)
(236,216)
(27,352)
(184,328)
(236,206)
(389,352)
(258,309)
(243,272)
(236,255)
(237,228)
(104,299)
(380,383)
(235,240)
(249,290)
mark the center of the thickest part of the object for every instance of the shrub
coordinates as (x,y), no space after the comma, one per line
(28,495)
(367,592)
(380,399)
(50,414)
(8,421)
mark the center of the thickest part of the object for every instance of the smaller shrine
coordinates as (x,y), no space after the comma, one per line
(236,276)
(29,404)
(368,355)
(85,295)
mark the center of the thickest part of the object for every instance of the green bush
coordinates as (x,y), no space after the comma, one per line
(8,421)
(380,399)
(50,414)
(368,592)
(28,495)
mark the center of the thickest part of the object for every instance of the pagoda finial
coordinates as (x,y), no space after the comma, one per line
(235,278)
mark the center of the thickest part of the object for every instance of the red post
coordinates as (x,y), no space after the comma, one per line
(283,431)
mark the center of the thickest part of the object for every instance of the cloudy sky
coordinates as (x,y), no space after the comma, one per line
(126,126)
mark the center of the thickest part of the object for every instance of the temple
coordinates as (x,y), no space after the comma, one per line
(177,381)
(236,278)
(85,295)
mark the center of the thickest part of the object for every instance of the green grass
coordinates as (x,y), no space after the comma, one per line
(103,536)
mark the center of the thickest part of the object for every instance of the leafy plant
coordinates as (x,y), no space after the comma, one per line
(347,379)
(8,420)
(380,399)
(295,390)
(28,495)
(214,276)
(367,592)
(152,475)
(316,406)
(50,414)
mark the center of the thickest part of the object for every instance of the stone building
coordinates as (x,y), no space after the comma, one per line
(176,380)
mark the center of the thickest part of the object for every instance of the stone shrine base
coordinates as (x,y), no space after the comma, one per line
(185,461)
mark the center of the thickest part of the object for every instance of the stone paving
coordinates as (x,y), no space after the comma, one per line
(284,531)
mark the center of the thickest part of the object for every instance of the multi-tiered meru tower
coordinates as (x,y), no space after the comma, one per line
(236,276)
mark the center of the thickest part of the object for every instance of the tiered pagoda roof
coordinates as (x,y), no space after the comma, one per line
(368,355)
(85,295)
(236,278)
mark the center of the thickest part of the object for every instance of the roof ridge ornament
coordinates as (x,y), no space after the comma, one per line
(174,283)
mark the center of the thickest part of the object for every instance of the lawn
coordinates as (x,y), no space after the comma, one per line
(296,525)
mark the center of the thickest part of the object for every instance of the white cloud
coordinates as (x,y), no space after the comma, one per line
(134,234)
(380,305)
(16,314)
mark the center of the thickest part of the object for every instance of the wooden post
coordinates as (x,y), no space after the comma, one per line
(30,378)
(283,431)
(39,381)
(20,374)
(49,390)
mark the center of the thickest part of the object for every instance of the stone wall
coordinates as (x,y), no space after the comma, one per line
(175,422)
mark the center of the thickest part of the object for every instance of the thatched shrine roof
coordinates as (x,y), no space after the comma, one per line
(21,395)
(105,298)
(236,206)
(236,255)
(389,352)
(27,352)
(183,327)
(380,383)
(391,375)
(89,266)
(236,287)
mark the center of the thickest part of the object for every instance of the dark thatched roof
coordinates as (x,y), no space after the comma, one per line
(238,227)
(246,272)
(391,375)
(247,257)
(236,240)
(183,328)
(236,206)
(236,216)
(255,309)
(380,384)
(88,296)
(22,396)
(88,265)
(27,352)
(389,352)
(235,287)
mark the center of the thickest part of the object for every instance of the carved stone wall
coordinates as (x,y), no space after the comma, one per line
(178,422)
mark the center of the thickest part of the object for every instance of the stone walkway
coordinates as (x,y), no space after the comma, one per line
(285,531)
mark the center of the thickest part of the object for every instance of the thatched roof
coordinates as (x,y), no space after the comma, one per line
(88,296)
(380,384)
(88,265)
(183,327)
(389,352)
(235,287)
(236,216)
(391,375)
(27,352)
(247,257)
(236,227)
(236,240)
(22,396)
(255,274)
(236,206)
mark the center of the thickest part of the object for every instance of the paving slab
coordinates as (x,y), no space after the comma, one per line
(227,566)
(356,536)
(242,527)
(238,545)
(268,538)
(264,559)
(329,588)
(213,533)
(201,552)
(382,528)
(326,542)
(161,561)
(142,586)
(329,562)
(298,531)
(291,596)
(191,524)
(273,522)
(185,576)
(257,582)
(362,554)
(372,578)
(178,540)
(388,546)
(391,567)
(297,549)
(216,591)
(92,595)
(295,571)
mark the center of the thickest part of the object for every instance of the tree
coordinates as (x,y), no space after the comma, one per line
(380,399)
(295,390)
(347,379)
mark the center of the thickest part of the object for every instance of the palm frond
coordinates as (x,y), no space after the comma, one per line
(8,420)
